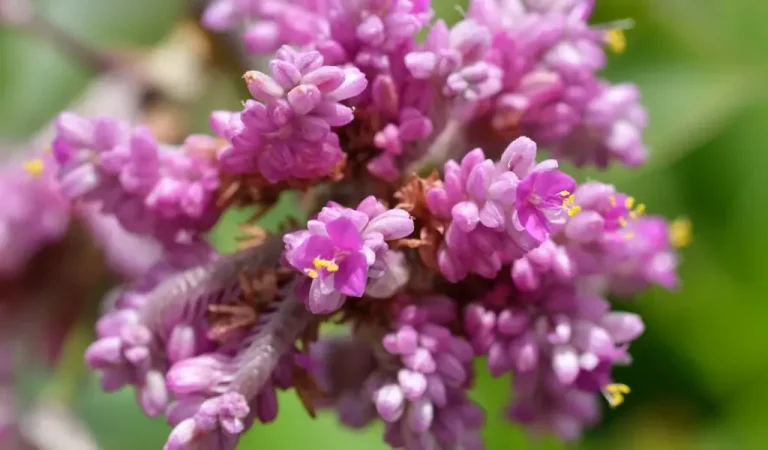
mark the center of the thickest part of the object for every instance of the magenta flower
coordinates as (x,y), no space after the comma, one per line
(560,346)
(343,248)
(33,212)
(456,60)
(286,132)
(163,192)
(336,263)
(504,208)
(353,102)
(542,201)
(611,128)
(417,384)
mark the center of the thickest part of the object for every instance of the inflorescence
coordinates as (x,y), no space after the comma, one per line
(438,234)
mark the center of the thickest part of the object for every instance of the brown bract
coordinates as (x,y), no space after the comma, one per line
(412,198)
(258,290)
(243,190)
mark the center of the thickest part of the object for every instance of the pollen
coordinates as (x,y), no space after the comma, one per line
(614,393)
(612,200)
(622,222)
(629,202)
(568,203)
(34,166)
(328,265)
(616,40)
(639,211)
(311,273)
(574,210)
(680,232)
(629,236)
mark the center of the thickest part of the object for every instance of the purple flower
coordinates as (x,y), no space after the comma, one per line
(160,191)
(540,199)
(419,388)
(611,239)
(456,59)
(610,129)
(559,344)
(370,32)
(89,152)
(503,209)
(403,137)
(269,23)
(33,212)
(544,405)
(286,132)
(364,32)
(342,248)
(550,56)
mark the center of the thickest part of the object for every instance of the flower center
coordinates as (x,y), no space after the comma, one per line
(34,167)
(321,264)
(614,393)
(633,213)
(569,203)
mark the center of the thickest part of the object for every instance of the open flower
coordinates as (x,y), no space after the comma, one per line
(339,249)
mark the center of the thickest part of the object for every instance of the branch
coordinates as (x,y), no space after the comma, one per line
(189,291)
(275,338)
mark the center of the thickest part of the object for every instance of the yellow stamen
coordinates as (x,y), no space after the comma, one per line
(640,209)
(569,203)
(629,202)
(34,166)
(328,265)
(612,200)
(616,40)
(680,232)
(615,393)
(574,210)
(629,236)
(622,222)
(311,273)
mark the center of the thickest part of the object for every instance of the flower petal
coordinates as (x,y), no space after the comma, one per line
(344,234)
(352,275)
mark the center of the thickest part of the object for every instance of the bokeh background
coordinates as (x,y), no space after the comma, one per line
(698,381)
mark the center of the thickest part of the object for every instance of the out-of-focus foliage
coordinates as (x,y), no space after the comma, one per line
(698,379)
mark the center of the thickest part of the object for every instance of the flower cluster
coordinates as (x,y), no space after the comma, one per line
(560,344)
(160,191)
(527,67)
(549,55)
(502,209)
(286,131)
(415,378)
(34,213)
(494,255)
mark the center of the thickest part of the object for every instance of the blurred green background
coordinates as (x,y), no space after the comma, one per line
(698,380)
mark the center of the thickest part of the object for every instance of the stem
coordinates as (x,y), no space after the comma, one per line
(89,56)
(272,342)
(446,145)
(191,290)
